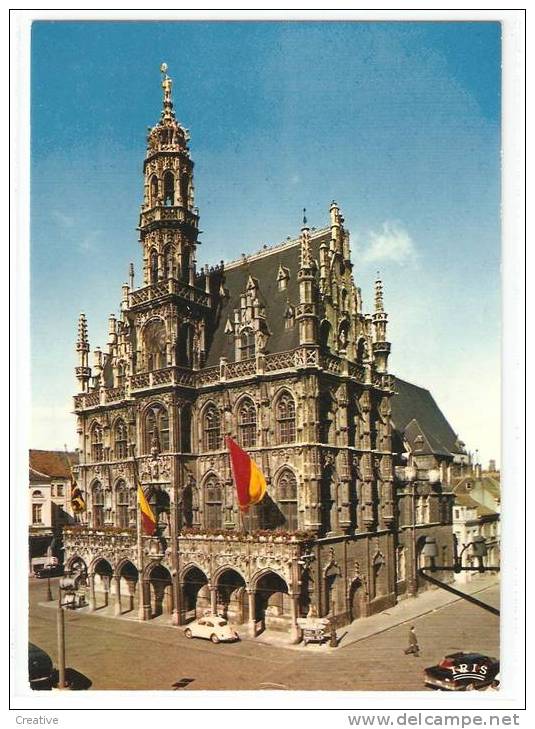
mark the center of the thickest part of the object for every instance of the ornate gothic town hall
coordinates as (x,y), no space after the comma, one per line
(276,350)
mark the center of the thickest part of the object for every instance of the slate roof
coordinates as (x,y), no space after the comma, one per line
(415,412)
(264,267)
(54,464)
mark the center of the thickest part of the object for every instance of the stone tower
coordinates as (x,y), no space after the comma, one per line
(168,222)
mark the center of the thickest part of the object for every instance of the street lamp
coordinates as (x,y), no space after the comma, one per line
(479,548)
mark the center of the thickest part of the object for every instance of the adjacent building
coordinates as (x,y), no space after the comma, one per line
(49,503)
(277,350)
(476,513)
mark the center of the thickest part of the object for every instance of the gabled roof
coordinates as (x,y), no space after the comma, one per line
(415,412)
(264,267)
(55,464)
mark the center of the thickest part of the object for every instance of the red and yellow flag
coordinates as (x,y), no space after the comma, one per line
(249,479)
(148,520)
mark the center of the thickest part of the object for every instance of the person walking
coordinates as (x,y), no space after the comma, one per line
(413,646)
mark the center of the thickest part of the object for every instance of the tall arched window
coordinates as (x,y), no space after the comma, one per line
(185,345)
(287,498)
(157,429)
(213,503)
(155,340)
(121,504)
(247,344)
(212,428)
(97,497)
(96,443)
(121,374)
(168,188)
(153,191)
(285,414)
(153,266)
(247,423)
(120,437)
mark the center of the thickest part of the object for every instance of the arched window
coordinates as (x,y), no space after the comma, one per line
(120,436)
(97,497)
(287,498)
(155,340)
(213,503)
(168,188)
(185,345)
(157,429)
(122,503)
(121,374)
(96,443)
(212,428)
(247,344)
(153,266)
(285,414)
(247,423)
(153,191)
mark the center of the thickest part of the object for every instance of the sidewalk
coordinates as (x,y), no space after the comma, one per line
(405,611)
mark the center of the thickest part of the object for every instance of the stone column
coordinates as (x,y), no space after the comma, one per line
(92,599)
(252,612)
(295,631)
(105,580)
(213,599)
(144,607)
(116,597)
(131,593)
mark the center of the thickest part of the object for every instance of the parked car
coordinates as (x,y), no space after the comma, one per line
(462,672)
(40,668)
(50,570)
(211,627)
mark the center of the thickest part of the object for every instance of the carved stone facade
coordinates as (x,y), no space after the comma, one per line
(276,351)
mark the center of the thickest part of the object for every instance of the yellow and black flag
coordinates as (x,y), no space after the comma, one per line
(77,498)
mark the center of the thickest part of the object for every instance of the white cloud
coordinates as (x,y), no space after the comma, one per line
(392,243)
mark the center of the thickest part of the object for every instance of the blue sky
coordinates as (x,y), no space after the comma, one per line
(399,122)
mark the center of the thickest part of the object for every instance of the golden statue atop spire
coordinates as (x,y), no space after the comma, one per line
(167,86)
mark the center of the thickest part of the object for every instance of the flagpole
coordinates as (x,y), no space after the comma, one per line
(139,542)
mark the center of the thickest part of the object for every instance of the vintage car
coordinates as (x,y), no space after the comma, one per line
(211,627)
(49,570)
(462,672)
(40,668)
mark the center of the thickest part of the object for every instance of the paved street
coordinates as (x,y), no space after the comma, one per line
(122,654)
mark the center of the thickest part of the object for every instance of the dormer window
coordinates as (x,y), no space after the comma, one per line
(247,344)
(283,276)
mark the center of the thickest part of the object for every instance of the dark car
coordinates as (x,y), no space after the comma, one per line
(40,668)
(462,672)
(50,570)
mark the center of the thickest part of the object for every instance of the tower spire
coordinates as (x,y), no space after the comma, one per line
(306,254)
(379,305)
(83,371)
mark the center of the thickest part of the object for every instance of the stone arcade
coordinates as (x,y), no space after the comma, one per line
(275,350)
